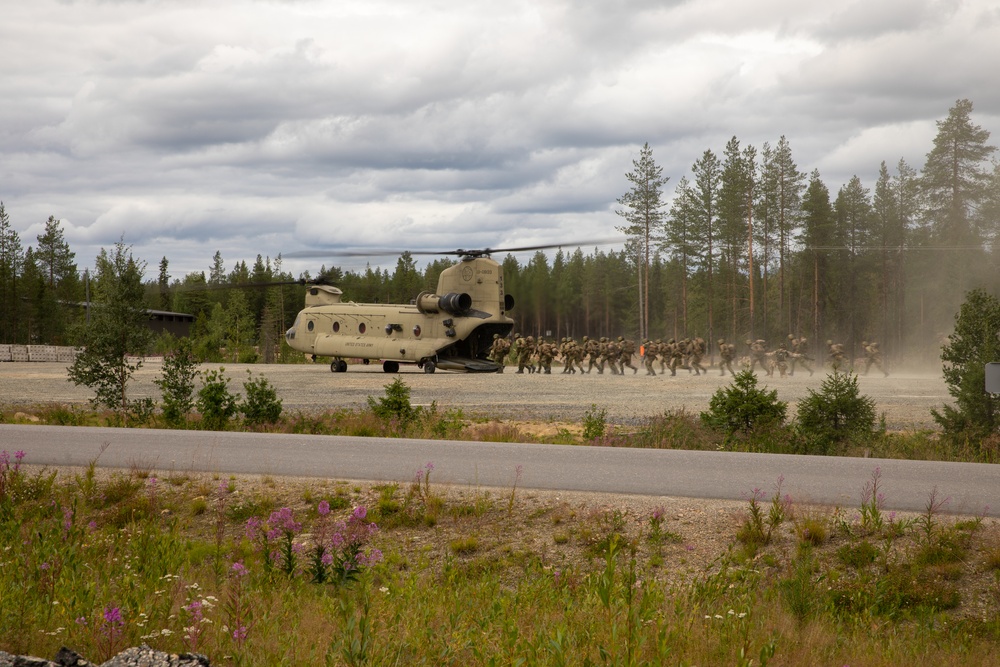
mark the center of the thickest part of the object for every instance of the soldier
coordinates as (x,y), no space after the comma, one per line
(834,354)
(799,353)
(758,354)
(525,350)
(614,352)
(676,356)
(498,351)
(649,352)
(697,349)
(571,356)
(873,355)
(546,351)
(593,351)
(603,355)
(663,351)
(781,359)
(727,353)
(567,368)
(626,350)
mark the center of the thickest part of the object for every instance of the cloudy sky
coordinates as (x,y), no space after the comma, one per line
(256,127)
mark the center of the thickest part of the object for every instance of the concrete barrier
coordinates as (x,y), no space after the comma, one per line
(41,353)
(51,353)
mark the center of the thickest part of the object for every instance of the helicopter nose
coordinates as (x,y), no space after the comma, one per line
(290,334)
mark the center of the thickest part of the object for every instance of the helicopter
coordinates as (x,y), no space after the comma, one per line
(450,329)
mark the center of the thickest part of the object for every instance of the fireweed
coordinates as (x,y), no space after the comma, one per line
(282,528)
(347,554)
(110,631)
(318,554)
(236,606)
(10,476)
(422,482)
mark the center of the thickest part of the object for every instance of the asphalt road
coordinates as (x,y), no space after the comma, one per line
(969,488)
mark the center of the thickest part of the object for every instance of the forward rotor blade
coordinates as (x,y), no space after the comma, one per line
(386,252)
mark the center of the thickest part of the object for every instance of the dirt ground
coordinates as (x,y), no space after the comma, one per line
(905,398)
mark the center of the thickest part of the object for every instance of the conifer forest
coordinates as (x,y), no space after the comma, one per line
(747,245)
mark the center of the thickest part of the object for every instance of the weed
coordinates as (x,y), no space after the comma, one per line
(199,506)
(513,489)
(812,530)
(758,527)
(857,555)
(927,522)
(872,502)
(464,545)
(595,423)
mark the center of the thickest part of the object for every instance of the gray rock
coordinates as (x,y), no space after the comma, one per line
(143,656)
(137,656)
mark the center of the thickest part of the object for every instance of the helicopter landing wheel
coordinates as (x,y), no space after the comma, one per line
(429,367)
(338,366)
(390,366)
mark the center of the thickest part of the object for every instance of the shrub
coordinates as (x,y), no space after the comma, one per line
(177,383)
(595,423)
(743,408)
(395,404)
(836,414)
(216,403)
(261,404)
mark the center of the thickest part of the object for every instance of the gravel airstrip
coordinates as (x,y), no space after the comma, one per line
(905,398)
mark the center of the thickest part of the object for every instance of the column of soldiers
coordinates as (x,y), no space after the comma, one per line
(686,354)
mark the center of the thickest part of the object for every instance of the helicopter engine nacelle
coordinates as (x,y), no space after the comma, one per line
(453,303)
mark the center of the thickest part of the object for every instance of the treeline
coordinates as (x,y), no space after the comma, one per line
(749,247)
(752,247)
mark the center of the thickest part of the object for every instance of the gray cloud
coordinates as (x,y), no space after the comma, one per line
(267,127)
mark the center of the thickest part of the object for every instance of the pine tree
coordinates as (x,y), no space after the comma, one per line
(954,183)
(817,236)
(163,284)
(11,266)
(955,177)
(681,240)
(736,199)
(854,216)
(974,342)
(642,209)
(706,192)
(57,265)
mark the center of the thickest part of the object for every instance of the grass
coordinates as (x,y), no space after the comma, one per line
(98,561)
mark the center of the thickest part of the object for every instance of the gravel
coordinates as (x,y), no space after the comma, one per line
(905,398)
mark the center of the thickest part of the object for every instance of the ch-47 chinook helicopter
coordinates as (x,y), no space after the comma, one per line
(451,328)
